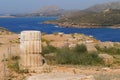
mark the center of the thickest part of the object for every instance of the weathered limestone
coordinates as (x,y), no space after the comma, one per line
(108,59)
(106,44)
(90,47)
(30,45)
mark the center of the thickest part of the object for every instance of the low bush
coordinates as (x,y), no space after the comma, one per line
(80,48)
(13,63)
(85,58)
(111,50)
(49,49)
(76,56)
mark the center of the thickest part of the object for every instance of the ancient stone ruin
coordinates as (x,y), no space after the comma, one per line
(30,45)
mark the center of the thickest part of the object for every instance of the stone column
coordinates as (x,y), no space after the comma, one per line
(30,45)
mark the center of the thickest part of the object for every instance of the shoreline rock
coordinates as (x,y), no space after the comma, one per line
(70,25)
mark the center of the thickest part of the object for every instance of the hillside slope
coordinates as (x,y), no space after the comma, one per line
(106,18)
(101,7)
(44,11)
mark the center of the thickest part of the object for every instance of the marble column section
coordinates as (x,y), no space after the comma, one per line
(30,45)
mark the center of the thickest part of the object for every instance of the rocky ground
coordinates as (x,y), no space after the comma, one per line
(61,76)
(9,45)
(76,73)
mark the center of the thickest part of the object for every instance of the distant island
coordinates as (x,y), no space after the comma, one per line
(45,11)
(106,18)
(7,16)
(98,16)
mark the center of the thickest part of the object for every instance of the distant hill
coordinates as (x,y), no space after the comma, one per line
(50,11)
(81,19)
(101,15)
(101,7)
(45,11)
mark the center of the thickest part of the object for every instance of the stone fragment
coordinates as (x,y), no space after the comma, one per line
(108,59)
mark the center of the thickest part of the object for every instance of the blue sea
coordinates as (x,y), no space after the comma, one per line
(36,23)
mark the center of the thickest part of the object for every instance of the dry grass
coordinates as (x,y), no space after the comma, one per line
(107,77)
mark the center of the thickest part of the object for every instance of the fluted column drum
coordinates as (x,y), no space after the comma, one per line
(30,45)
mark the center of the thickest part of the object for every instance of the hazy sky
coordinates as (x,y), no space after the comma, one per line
(26,6)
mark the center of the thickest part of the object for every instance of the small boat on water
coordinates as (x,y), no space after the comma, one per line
(56,26)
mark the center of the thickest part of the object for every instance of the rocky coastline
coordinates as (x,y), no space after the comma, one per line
(71,25)
(7,16)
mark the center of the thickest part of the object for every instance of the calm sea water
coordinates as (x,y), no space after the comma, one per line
(35,23)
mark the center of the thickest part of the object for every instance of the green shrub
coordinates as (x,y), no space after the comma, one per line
(90,59)
(50,59)
(63,56)
(75,56)
(80,48)
(49,49)
(111,50)
(47,41)
(14,66)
